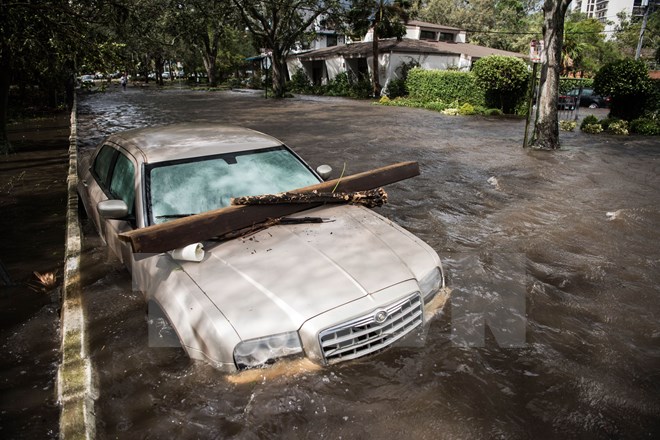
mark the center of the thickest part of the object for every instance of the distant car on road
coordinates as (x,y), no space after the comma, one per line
(588,98)
(87,79)
(336,283)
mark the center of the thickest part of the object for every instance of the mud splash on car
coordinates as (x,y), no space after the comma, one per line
(562,245)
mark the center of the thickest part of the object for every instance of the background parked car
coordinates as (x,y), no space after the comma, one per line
(589,99)
(566,102)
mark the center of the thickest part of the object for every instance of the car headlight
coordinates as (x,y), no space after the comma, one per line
(430,284)
(257,352)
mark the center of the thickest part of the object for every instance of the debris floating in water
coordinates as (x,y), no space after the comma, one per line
(613,215)
(493,181)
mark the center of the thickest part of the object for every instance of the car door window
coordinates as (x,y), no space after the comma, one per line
(122,185)
(102,164)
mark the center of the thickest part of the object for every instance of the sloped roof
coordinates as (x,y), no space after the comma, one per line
(364,49)
(424,24)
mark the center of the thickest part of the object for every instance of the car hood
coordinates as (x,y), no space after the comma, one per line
(275,280)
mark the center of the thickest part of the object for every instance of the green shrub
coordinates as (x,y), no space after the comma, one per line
(299,83)
(438,106)
(645,126)
(504,80)
(567,125)
(592,128)
(466,109)
(618,127)
(589,120)
(444,85)
(397,88)
(605,123)
(493,112)
(361,88)
(340,85)
(627,82)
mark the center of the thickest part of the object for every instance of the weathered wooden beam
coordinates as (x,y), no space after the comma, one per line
(183,231)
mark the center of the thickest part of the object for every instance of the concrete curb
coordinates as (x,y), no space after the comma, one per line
(76,393)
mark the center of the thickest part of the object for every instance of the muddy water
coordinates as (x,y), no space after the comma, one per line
(565,244)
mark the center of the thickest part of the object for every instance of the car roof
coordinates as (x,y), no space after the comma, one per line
(187,140)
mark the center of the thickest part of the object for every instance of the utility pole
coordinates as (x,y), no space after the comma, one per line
(643,28)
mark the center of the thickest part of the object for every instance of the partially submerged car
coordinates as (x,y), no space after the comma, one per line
(340,286)
(587,98)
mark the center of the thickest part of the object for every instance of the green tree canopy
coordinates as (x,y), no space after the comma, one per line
(276,25)
(626,35)
(207,25)
(585,48)
(386,19)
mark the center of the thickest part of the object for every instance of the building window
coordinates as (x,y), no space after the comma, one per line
(331,40)
(446,36)
(427,35)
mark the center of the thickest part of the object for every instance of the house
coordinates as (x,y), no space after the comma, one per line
(430,45)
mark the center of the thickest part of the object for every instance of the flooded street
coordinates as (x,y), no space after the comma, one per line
(565,243)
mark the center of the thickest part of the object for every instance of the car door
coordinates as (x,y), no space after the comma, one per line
(95,182)
(122,185)
(113,176)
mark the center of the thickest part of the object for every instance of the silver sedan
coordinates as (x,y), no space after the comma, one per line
(341,288)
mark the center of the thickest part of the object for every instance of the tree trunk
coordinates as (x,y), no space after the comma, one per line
(546,130)
(5,80)
(376,54)
(210,57)
(278,76)
(158,62)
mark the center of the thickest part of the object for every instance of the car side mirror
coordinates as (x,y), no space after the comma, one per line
(324,171)
(112,209)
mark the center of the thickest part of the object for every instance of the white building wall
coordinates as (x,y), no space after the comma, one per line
(411,33)
(293,64)
(334,66)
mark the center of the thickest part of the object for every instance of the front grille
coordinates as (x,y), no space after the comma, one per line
(364,335)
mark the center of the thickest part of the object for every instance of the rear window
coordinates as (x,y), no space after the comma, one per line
(103,162)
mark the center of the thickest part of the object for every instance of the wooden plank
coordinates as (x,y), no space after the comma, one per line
(184,231)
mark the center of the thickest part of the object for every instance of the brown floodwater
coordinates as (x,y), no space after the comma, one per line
(33,208)
(561,248)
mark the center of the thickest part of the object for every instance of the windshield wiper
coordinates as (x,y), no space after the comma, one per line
(174,215)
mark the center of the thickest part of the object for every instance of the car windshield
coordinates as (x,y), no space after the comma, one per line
(181,188)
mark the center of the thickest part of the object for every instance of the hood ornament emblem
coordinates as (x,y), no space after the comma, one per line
(380,316)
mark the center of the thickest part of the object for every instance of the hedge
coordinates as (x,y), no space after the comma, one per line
(504,80)
(567,84)
(444,85)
